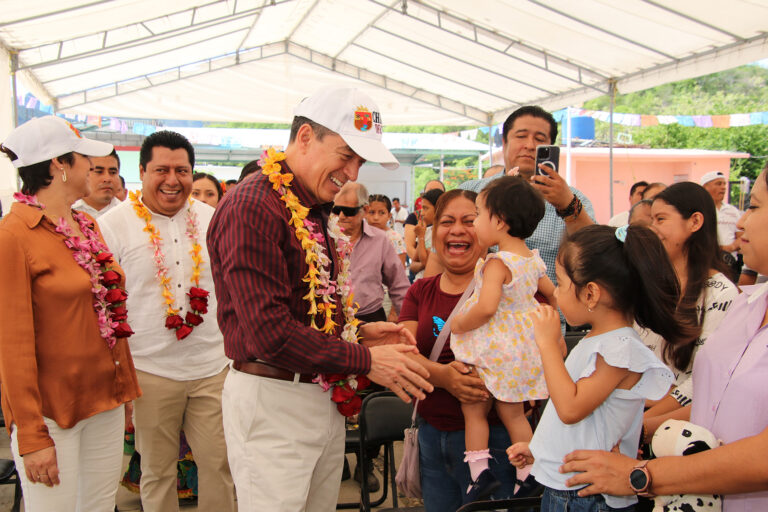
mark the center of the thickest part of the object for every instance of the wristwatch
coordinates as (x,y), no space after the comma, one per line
(640,480)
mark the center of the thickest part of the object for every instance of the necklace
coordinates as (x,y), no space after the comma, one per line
(198,297)
(92,255)
(322,289)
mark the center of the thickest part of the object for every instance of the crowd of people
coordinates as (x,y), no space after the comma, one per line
(233,329)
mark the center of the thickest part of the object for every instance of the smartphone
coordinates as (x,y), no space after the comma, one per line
(549,156)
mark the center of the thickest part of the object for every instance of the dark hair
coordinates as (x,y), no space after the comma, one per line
(442,185)
(212,179)
(380,198)
(636,186)
(432,196)
(702,252)
(449,196)
(319,130)
(395,199)
(534,111)
(642,202)
(516,202)
(122,181)
(37,176)
(636,273)
(165,139)
(249,168)
(114,155)
(652,185)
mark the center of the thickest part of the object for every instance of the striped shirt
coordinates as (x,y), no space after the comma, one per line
(258,266)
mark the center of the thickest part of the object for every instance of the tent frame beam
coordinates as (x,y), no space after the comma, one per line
(510,44)
(601,29)
(297,51)
(152,38)
(462,61)
(436,75)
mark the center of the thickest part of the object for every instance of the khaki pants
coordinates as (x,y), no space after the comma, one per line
(285,442)
(166,407)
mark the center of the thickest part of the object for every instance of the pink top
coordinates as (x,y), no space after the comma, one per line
(730,382)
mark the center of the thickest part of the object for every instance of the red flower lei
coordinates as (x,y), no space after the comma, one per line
(92,256)
(198,297)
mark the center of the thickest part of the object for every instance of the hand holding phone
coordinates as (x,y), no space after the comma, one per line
(549,156)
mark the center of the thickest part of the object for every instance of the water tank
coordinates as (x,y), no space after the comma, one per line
(583,128)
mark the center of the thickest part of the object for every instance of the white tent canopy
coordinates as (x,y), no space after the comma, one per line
(424,61)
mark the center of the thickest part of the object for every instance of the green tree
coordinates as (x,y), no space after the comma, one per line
(739,90)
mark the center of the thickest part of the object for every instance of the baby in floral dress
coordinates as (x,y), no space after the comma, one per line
(493,330)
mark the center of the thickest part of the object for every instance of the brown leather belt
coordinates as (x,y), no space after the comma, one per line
(263,369)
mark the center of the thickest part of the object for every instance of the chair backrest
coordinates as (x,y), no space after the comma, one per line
(384,417)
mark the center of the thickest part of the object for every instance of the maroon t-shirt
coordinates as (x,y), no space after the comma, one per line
(426,304)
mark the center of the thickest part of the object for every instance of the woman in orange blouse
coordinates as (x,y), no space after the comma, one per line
(65,367)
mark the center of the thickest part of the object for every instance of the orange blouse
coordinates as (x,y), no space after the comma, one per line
(53,361)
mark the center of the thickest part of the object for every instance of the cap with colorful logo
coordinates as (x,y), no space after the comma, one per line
(354,116)
(43,138)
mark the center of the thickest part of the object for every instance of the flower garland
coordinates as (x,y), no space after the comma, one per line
(92,256)
(322,288)
(198,297)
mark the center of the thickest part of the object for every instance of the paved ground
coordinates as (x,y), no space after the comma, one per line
(129,502)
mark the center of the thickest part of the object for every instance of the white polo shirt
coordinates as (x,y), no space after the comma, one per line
(81,206)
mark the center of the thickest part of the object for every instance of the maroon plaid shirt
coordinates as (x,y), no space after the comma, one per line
(258,266)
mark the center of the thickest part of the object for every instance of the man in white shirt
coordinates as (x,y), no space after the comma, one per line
(727,215)
(399,214)
(104,181)
(159,239)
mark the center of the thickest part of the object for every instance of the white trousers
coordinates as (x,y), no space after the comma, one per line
(285,443)
(89,456)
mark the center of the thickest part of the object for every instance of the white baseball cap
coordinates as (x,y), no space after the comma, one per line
(711,176)
(43,138)
(354,116)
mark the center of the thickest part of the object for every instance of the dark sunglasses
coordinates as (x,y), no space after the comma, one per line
(348,211)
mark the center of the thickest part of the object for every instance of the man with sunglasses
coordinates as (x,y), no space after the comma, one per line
(374,262)
(285,437)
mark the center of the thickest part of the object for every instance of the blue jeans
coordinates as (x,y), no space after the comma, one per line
(444,474)
(568,501)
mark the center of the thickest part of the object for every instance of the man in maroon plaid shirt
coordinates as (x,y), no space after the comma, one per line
(285,437)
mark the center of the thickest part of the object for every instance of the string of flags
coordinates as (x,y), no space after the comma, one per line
(30,102)
(623,119)
(701,121)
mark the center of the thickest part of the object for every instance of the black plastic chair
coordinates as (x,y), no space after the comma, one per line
(9,475)
(383,418)
(510,504)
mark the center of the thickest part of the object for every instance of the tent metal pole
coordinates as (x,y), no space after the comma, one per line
(490,147)
(610,145)
(14,101)
(568,146)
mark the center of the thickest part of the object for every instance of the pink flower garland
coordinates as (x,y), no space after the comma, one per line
(91,254)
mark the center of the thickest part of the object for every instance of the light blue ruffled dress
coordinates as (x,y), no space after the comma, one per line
(617,420)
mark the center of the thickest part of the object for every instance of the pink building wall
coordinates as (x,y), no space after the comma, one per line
(590,174)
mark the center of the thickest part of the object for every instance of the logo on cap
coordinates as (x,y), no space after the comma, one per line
(363,119)
(77,132)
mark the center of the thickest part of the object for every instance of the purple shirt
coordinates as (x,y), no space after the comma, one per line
(730,382)
(374,262)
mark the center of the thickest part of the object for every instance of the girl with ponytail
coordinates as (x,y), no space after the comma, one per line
(608,278)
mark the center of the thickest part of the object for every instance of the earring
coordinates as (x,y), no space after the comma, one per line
(63,175)
(590,309)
